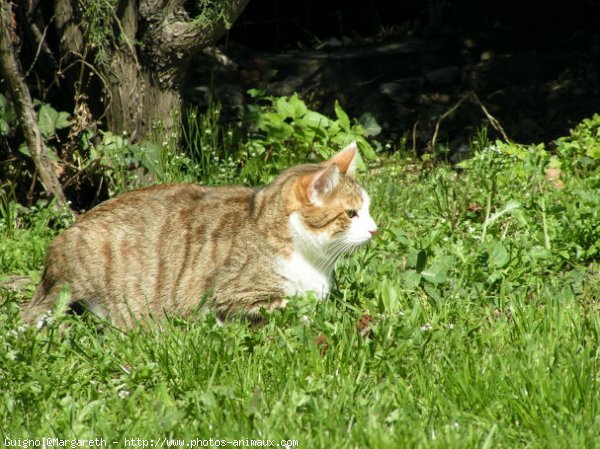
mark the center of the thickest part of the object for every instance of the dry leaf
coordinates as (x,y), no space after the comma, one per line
(474,207)
(364,325)
(321,342)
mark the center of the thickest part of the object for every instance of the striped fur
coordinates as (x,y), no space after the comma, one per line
(174,248)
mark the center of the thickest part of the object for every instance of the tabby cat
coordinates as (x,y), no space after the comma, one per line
(174,248)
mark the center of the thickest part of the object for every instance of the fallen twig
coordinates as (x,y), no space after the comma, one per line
(495,123)
(469,96)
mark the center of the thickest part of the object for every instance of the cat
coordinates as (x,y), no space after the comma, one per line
(175,248)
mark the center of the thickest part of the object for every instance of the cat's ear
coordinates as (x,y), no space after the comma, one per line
(346,159)
(323,183)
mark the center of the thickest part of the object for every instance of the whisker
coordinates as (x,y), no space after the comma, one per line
(328,257)
(333,253)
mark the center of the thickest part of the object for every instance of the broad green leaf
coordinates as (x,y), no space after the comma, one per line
(432,291)
(366,150)
(281,130)
(325,152)
(7,112)
(389,294)
(369,124)
(410,279)
(539,252)
(315,120)
(24,149)
(335,129)
(273,123)
(343,119)
(47,117)
(111,142)
(399,235)
(298,105)
(499,256)
(594,151)
(417,259)
(62,121)
(3,128)
(437,273)
(284,108)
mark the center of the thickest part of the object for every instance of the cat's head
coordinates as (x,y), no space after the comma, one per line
(332,214)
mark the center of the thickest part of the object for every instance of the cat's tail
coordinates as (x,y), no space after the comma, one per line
(39,309)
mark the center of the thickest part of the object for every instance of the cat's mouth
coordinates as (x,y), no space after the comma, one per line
(353,245)
(361,240)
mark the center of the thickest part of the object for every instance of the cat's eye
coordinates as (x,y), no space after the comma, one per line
(351,213)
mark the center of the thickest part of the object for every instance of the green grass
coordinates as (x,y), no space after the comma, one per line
(482,290)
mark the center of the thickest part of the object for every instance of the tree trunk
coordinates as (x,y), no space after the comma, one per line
(19,92)
(139,103)
(149,54)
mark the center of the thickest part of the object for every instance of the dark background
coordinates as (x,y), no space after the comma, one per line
(281,24)
(534,65)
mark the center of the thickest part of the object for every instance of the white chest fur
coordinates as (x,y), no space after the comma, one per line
(301,277)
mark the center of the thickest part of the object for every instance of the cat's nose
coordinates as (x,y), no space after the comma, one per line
(372,227)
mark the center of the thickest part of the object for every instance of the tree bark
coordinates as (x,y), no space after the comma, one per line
(19,92)
(149,58)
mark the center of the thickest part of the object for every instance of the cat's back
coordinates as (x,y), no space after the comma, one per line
(183,202)
(147,222)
